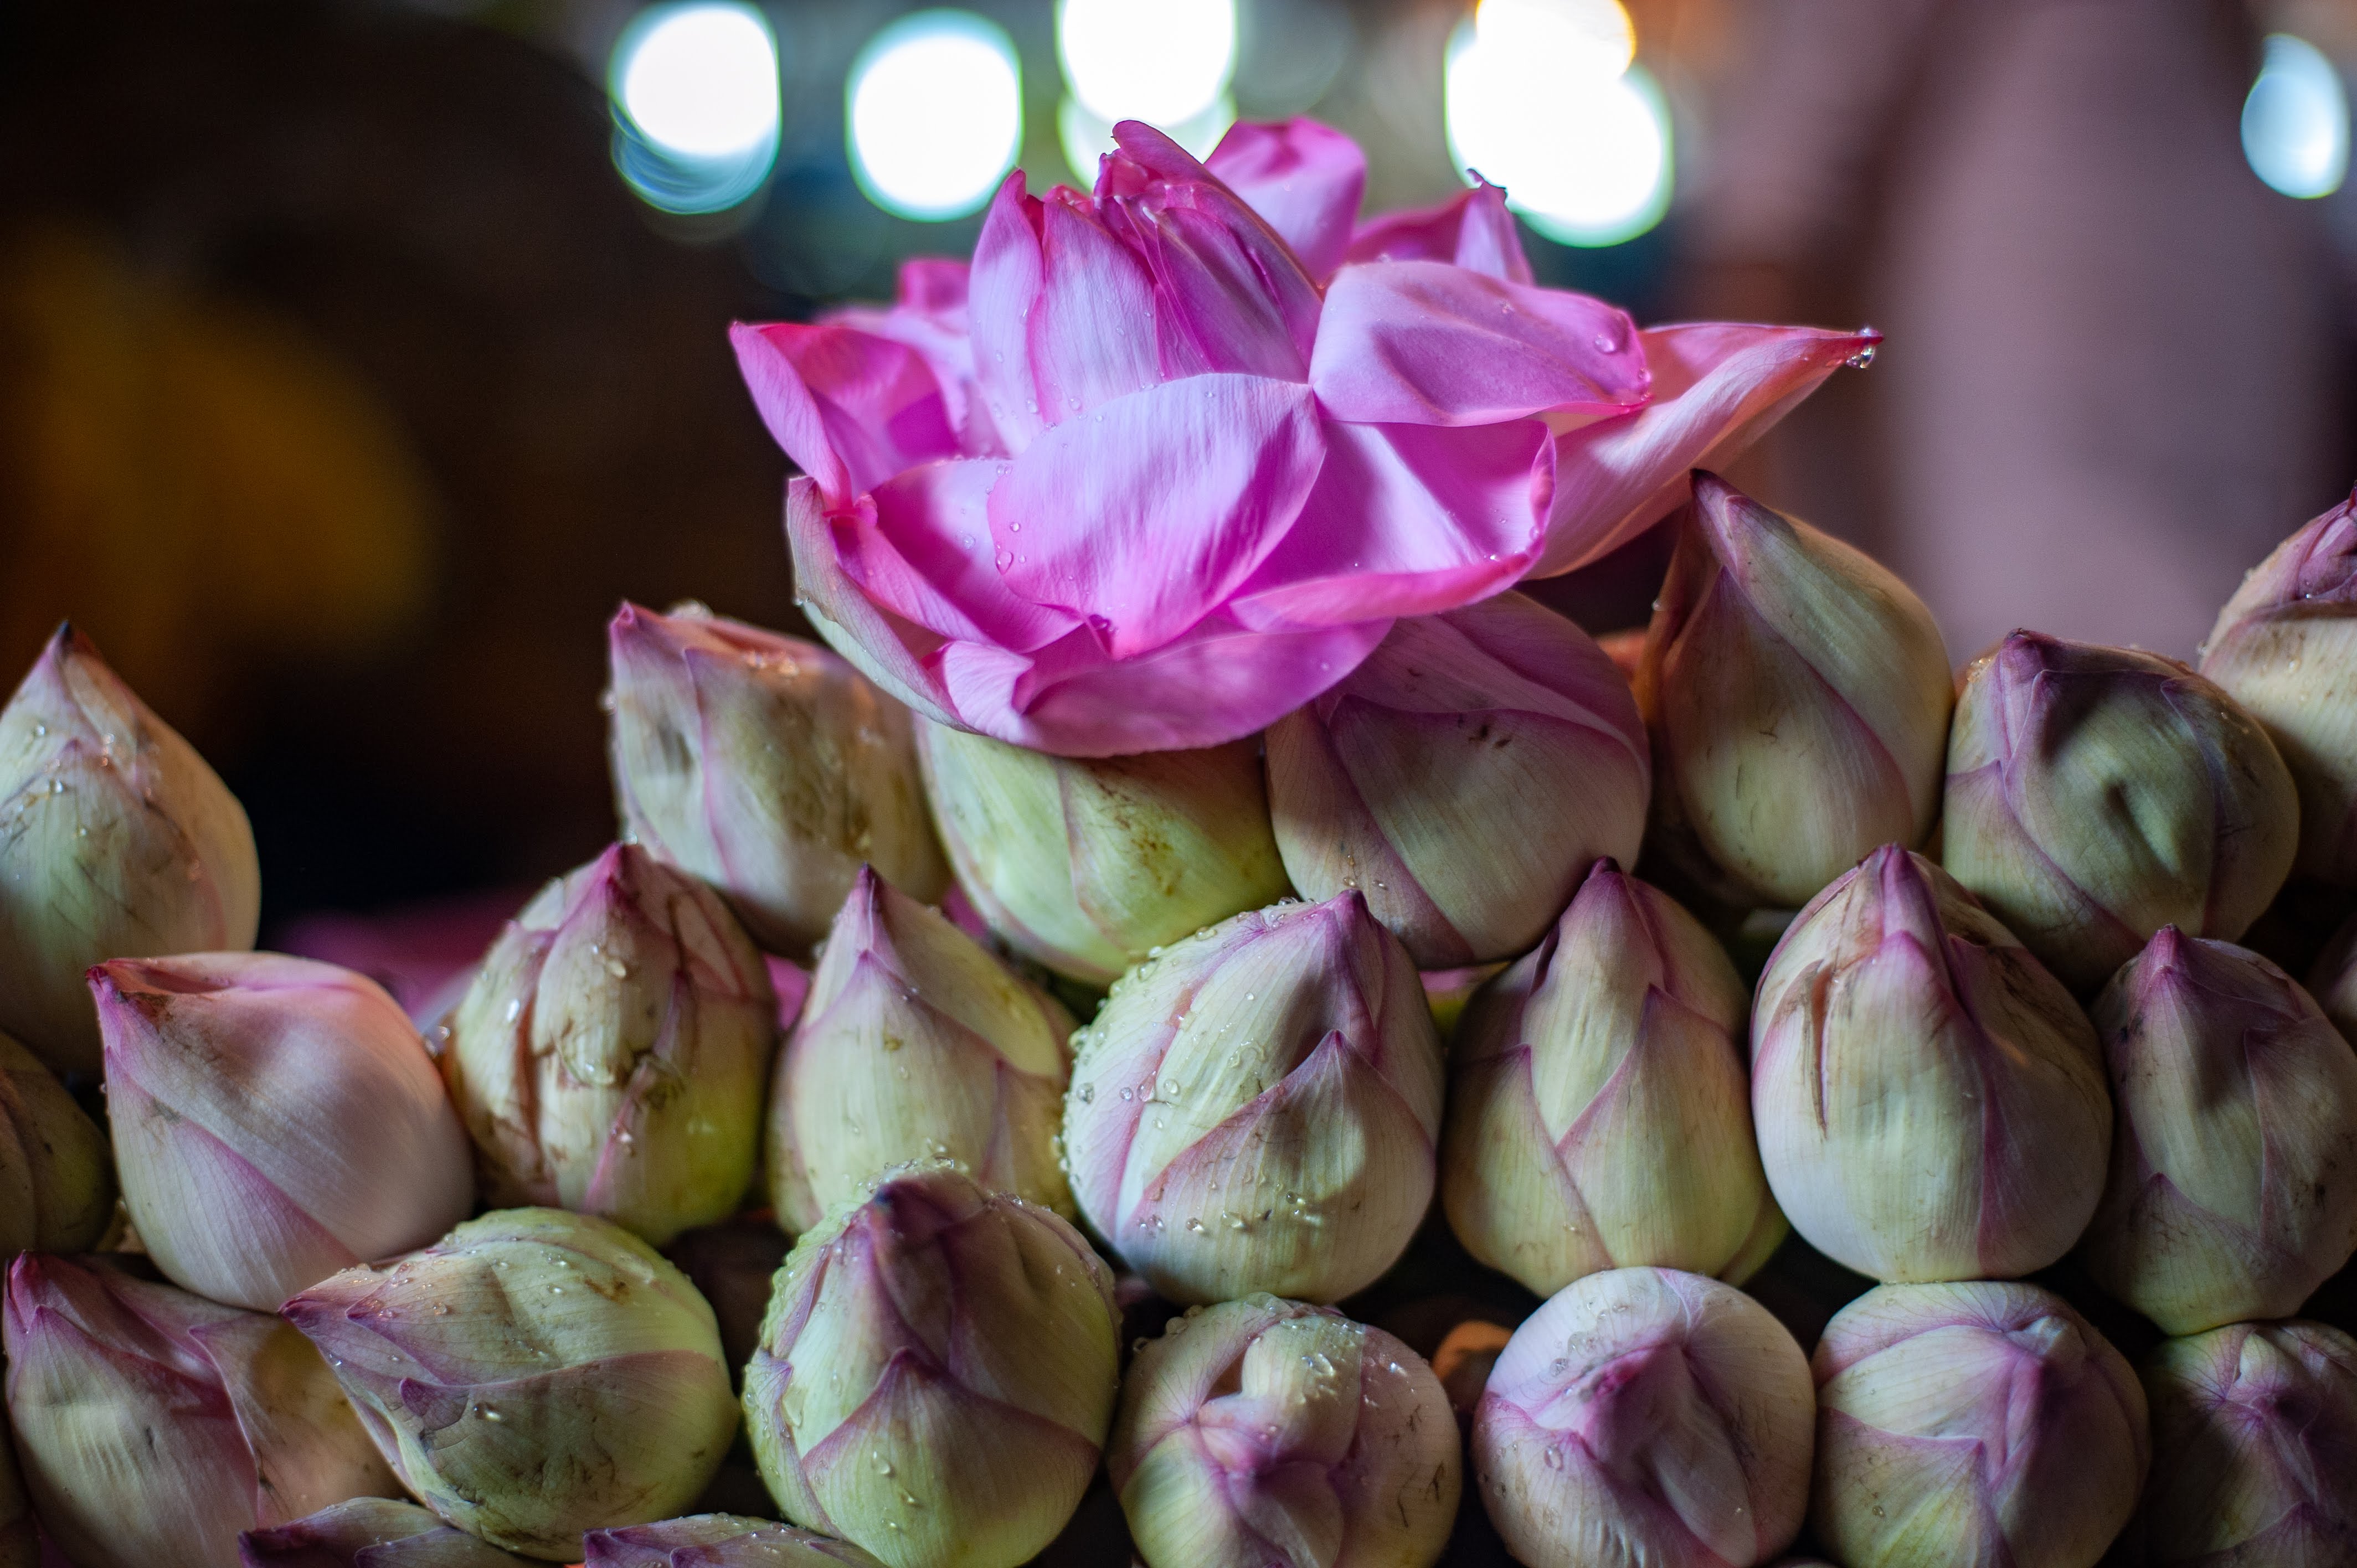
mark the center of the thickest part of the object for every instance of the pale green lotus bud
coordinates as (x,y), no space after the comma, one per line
(936,1374)
(1085,865)
(612,1054)
(370,1532)
(718,1540)
(2233,1184)
(276,1120)
(1599,1112)
(1256,1110)
(2285,649)
(2254,1449)
(117,841)
(914,1044)
(56,1176)
(154,1427)
(766,766)
(2097,794)
(1929,1102)
(1975,1426)
(1645,1415)
(1263,1432)
(522,1337)
(1407,779)
(1798,696)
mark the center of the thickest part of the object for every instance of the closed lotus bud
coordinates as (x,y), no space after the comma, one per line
(2285,649)
(276,1120)
(57,1176)
(2254,1448)
(1086,865)
(1263,1433)
(1256,1109)
(915,1043)
(1798,696)
(2097,794)
(524,1337)
(612,1054)
(936,1374)
(718,1540)
(2233,1184)
(1975,1426)
(153,1426)
(1599,1114)
(766,766)
(117,841)
(370,1532)
(1412,781)
(1645,1415)
(1929,1102)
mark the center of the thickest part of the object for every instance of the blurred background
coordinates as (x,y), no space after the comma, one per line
(357,358)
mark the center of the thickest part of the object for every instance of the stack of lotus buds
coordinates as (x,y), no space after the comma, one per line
(981,1105)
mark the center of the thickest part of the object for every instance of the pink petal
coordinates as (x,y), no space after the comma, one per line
(931,318)
(1473,230)
(1717,387)
(1092,332)
(1146,513)
(888,648)
(1307,179)
(1433,343)
(923,552)
(1000,292)
(851,409)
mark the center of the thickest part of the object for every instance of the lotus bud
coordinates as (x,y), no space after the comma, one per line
(1798,697)
(523,1335)
(370,1532)
(1085,865)
(915,1043)
(718,1540)
(2233,1184)
(1929,1102)
(2097,794)
(117,841)
(936,1374)
(1599,1114)
(276,1120)
(153,1426)
(1412,780)
(56,1176)
(1974,1425)
(766,766)
(1256,1109)
(612,1054)
(2254,1448)
(1263,1430)
(1645,1415)
(2285,649)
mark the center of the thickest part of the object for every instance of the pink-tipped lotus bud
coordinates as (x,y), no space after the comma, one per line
(2097,794)
(154,1427)
(1929,1102)
(936,1374)
(2233,1184)
(1645,1415)
(1412,781)
(1798,697)
(1599,1112)
(1256,1110)
(57,1175)
(276,1120)
(766,766)
(1263,1432)
(2254,1449)
(1085,865)
(532,1375)
(371,1532)
(1975,1426)
(117,841)
(2285,649)
(718,1540)
(915,1043)
(612,1054)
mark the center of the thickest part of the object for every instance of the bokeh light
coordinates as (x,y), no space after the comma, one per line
(2295,120)
(1165,62)
(1087,136)
(695,91)
(934,112)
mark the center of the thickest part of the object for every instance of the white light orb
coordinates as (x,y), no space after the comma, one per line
(935,113)
(699,80)
(2295,120)
(1162,62)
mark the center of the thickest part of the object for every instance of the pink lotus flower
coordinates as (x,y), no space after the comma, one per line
(1147,477)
